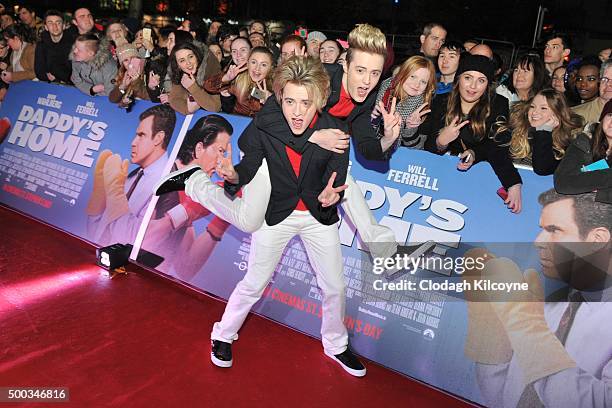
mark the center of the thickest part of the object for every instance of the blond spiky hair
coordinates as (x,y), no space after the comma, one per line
(303,71)
(367,38)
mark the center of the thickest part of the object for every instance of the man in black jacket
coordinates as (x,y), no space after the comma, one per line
(304,191)
(352,99)
(51,61)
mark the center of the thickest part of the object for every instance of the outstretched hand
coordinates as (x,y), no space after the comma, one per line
(331,195)
(233,71)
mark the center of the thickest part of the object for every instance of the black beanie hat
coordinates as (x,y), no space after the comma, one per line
(479,63)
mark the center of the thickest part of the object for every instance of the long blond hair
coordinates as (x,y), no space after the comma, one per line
(569,125)
(243,81)
(408,67)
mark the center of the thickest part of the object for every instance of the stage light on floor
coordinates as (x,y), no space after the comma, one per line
(113,257)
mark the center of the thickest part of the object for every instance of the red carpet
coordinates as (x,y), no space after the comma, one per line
(142,341)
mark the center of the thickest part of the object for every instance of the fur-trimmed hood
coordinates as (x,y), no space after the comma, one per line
(102,56)
(583,139)
(589,129)
(102,69)
(200,77)
(201,74)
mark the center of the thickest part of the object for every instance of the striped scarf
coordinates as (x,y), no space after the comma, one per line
(408,136)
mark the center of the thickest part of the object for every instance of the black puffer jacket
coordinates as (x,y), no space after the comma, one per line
(569,179)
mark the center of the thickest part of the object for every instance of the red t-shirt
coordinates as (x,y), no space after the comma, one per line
(344,107)
(295,159)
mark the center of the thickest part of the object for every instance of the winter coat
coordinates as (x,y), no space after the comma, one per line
(137,89)
(102,69)
(233,103)
(569,179)
(27,63)
(492,148)
(178,95)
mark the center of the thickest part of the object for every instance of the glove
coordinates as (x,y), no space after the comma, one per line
(194,210)
(217,227)
(97,200)
(115,174)
(486,341)
(538,351)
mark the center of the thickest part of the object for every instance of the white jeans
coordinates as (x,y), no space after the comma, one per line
(322,243)
(248,213)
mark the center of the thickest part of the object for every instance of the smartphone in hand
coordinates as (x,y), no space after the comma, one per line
(146,34)
(502,193)
(258,93)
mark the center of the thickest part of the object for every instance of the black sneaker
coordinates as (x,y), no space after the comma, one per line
(221,353)
(411,251)
(349,362)
(175,181)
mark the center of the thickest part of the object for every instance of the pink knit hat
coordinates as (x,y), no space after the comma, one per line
(126,50)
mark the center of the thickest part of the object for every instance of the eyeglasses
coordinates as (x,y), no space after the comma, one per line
(606,81)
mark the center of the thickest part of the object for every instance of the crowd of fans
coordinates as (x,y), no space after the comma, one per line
(551,110)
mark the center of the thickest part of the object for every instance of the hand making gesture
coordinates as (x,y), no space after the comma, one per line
(127,80)
(232,72)
(264,89)
(187,80)
(154,80)
(392,121)
(416,118)
(450,132)
(225,167)
(331,195)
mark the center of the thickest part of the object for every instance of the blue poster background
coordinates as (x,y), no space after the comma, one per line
(174,244)
(419,195)
(418,334)
(27,175)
